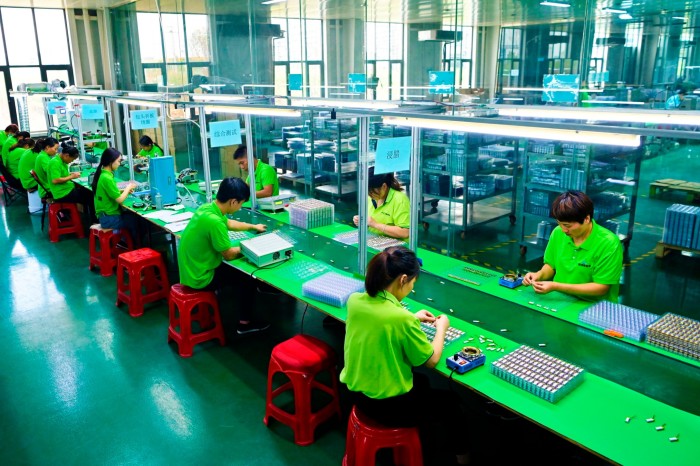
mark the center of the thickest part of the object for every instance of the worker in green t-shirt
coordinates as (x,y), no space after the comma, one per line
(384,342)
(46,148)
(16,153)
(582,258)
(266,183)
(205,245)
(108,197)
(10,130)
(149,148)
(26,164)
(389,208)
(61,180)
(10,143)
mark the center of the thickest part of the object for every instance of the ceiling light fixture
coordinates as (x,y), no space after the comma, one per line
(556,3)
(613,10)
(523,131)
(272,2)
(625,16)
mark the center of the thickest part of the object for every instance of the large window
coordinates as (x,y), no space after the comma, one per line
(385,65)
(458,58)
(176,49)
(39,52)
(509,58)
(299,51)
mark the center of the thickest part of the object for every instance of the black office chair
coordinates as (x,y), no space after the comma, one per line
(44,200)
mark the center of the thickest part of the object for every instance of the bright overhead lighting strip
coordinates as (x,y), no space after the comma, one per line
(613,10)
(345,103)
(555,4)
(656,117)
(217,97)
(263,111)
(528,132)
(141,103)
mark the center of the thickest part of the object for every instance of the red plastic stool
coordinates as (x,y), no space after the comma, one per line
(301,358)
(185,300)
(104,250)
(72,224)
(141,267)
(365,437)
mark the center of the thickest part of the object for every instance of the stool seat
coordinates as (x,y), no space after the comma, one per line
(104,250)
(182,304)
(145,270)
(301,359)
(365,437)
(72,224)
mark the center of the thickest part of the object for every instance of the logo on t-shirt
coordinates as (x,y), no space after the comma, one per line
(584,264)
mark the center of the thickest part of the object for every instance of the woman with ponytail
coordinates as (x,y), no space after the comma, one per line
(384,343)
(47,149)
(10,144)
(10,130)
(149,148)
(389,208)
(27,163)
(108,198)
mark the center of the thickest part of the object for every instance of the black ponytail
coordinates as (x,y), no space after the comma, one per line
(389,264)
(376,181)
(108,157)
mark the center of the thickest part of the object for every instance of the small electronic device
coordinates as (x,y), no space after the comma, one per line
(276,202)
(266,249)
(188,175)
(469,358)
(510,280)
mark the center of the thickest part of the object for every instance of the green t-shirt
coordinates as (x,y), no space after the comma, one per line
(11,141)
(26,165)
(41,166)
(201,245)
(396,211)
(597,260)
(383,342)
(13,160)
(154,152)
(3,137)
(59,169)
(106,195)
(265,175)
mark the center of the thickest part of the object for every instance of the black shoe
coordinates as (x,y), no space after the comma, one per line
(252,327)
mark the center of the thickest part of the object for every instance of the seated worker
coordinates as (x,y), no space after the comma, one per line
(27,163)
(10,130)
(205,244)
(10,143)
(108,198)
(16,153)
(46,148)
(384,343)
(389,208)
(61,181)
(149,148)
(582,258)
(674,102)
(266,183)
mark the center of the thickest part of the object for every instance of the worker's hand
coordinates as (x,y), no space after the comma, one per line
(260,228)
(356,220)
(130,187)
(74,175)
(425,316)
(236,251)
(372,223)
(530,278)
(442,322)
(543,287)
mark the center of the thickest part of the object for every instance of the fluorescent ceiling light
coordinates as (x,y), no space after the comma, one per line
(81,97)
(627,116)
(345,103)
(263,111)
(215,97)
(613,10)
(140,103)
(679,18)
(272,2)
(625,16)
(529,132)
(558,4)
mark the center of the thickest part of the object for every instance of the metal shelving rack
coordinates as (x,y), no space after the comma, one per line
(467,171)
(608,174)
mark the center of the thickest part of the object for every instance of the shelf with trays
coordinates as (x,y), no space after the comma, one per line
(608,174)
(472,173)
(321,154)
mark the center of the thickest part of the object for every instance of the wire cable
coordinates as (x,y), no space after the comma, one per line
(302,318)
